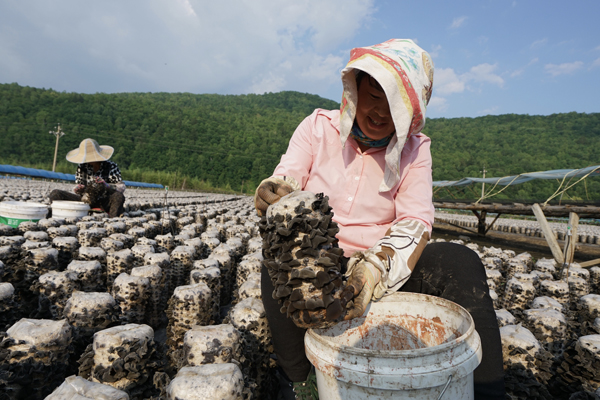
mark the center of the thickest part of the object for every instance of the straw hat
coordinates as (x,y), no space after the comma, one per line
(89,151)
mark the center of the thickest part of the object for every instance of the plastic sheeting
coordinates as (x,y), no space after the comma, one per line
(40,173)
(521,178)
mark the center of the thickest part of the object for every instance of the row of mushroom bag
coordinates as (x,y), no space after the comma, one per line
(165,303)
(161,303)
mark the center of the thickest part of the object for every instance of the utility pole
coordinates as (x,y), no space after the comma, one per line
(483,183)
(58,133)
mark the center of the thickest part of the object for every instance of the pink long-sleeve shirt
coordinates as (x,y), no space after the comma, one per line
(316,159)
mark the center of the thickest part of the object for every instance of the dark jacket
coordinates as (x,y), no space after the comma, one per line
(109,172)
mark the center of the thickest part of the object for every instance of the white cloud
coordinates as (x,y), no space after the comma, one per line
(457,22)
(562,69)
(445,82)
(538,43)
(185,45)
(483,73)
(517,72)
(438,103)
(520,71)
(489,111)
(272,82)
(189,10)
(566,42)
(435,50)
(323,68)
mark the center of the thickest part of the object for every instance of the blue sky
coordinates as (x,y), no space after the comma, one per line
(491,56)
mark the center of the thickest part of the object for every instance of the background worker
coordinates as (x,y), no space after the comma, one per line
(95,170)
(372,161)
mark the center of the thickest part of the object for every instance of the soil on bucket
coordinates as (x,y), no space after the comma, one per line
(393,332)
(389,337)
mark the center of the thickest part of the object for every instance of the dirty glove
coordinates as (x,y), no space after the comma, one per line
(101,182)
(95,191)
(79,189)
(385,267)
(363,276)
(271,190)
(115,187)
(87,199)
(119,187)
(396,254)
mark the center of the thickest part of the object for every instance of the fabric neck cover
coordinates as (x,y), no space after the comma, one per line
(360,137)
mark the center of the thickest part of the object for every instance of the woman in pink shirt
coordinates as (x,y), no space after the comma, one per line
(372,161)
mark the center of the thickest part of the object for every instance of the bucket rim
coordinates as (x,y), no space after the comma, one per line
(70,205)
(67,202)
(409,353)
(17,203)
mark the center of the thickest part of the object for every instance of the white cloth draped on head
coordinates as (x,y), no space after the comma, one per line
(405,72)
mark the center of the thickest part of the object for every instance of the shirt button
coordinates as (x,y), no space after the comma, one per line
(356,178)
(349,198)
(360,156)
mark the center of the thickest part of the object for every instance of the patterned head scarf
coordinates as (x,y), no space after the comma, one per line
(405,72)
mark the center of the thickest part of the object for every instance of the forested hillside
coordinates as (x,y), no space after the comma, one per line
(234,141)
(511,144)
(225,141)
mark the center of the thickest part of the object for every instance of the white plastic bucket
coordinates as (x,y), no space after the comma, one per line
(407,345)
(69,209)
(12,213)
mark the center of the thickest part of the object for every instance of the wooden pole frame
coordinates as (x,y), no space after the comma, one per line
(572,237)
(557,253)
(566,255)
(590,263)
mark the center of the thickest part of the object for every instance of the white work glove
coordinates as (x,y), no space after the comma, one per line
(119,187)
(271,190)
(79,189)
(395,256)
(363,277)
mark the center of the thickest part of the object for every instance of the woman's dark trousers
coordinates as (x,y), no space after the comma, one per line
(112,205)
(447,270)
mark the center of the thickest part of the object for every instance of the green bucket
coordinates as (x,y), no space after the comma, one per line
(13,213)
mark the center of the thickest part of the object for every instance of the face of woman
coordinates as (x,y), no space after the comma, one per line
(373,111)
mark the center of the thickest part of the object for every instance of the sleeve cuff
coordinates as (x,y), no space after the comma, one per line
(402,241)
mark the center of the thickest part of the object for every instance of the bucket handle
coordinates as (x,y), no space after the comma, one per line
(445,387)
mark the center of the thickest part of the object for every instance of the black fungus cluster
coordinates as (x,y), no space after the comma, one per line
(136,360)
(95,192)
(32,373)
(303,259)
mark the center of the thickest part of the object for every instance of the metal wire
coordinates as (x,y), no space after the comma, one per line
(445,387)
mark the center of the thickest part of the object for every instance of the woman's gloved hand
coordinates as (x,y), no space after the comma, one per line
(271,190)
(79,189)
(115,187)
(364,276)
(101,182)
(119,187)
(385,267)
